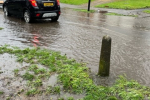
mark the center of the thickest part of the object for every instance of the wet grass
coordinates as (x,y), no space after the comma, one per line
(126,4)
(116,14)
(74,2)
(1,92)
(85,10)
(16,72)
(73,77)
(1,28)
(28,76)
(147,11)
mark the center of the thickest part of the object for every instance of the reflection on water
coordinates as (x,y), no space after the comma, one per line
(79,35)
(35,41)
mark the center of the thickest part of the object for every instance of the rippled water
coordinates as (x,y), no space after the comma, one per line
(79,35)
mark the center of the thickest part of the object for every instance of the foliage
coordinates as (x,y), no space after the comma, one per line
(126,4)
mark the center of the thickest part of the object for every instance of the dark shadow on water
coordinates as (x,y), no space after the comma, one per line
(18,19)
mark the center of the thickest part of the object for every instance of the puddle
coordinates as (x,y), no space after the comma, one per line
(11,84)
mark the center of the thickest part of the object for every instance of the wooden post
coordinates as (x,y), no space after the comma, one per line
(104,63)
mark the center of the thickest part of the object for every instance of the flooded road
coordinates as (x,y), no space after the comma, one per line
(79,35)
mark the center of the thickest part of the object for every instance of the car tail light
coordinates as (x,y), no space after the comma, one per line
(33,3)
(58,2)
(59,12)
(37,14)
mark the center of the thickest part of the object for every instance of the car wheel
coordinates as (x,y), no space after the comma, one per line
(54,19)
(6,11)
(27,17)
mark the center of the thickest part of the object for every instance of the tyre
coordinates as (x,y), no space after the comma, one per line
(6,13)
(27,17)
(54,19)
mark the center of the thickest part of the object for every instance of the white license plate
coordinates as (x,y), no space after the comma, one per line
(49,15)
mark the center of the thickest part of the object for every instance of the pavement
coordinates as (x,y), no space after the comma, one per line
(138,12)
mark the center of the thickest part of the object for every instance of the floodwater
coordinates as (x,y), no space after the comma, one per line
(79,35)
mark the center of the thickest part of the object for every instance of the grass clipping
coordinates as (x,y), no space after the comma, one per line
(73,76)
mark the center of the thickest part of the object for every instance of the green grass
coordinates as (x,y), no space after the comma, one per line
(32,92)
(28,76)
(74,2)
(16,71)
(116,14)
(73,76)
(1,28)
(147,11)
(85,10)
(126,4)
(1,92)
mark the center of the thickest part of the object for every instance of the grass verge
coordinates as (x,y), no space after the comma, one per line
(73,76)
(147,11)
(75,2)
(116,14)
(126,4)
(85,10)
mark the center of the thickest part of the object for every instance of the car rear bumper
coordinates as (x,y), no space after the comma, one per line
(45,14)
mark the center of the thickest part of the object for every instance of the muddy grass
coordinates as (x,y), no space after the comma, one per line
(40,74)
(27,81)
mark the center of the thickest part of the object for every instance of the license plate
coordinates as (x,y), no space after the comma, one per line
(48,4)
(49,15)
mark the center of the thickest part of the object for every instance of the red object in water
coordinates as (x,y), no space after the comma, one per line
(36,39)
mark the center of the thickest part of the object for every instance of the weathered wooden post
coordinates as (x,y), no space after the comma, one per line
(104,63)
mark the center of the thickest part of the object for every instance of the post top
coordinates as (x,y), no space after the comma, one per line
(106,37)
